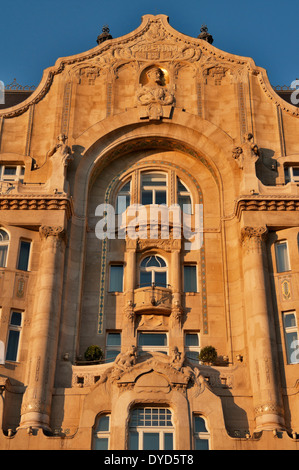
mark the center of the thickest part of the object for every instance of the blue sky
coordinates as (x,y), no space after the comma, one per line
(34,34)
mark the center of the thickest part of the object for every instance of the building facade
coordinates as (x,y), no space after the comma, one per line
(150,207)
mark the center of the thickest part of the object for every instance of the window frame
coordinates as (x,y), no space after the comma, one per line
(287,330)
(289,174)
(201,435)
(113,265)
(189,265)
(19,175)
(98,435)
(278,267)
(183,193)
(14,328)
(112,347)
(153,270)
(29,242)
(154,188)
(192,348)
(159,429)
(152,348)
(5,244)
(121,193)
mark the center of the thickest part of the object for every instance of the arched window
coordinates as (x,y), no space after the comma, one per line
(201,434)
(151,428)
(123,199)
(4,242)
(102,433)
(153,271)
(14,334)
(184,197)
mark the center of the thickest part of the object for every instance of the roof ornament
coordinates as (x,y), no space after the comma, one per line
(205,35)
(104,35)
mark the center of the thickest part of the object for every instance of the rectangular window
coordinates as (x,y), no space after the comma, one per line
(282,257)
(12,172)
(116,278)
(14,333)
(113,346)
(291,337)
(192,346)
(23,260)
(291,174)
(154,188)
(190,278)
(153,342)
(3,255)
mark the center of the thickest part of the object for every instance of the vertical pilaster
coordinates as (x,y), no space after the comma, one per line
(267,400)
(37,399)
(130,277)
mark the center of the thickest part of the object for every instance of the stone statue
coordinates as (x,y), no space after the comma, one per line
(154,95)
(60,156)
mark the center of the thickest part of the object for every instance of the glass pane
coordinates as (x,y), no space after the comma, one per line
(146,197)
(116,278)
(201,444)
(10,170)
(133,441)
(181,186)
(190,280)
(154,179)
(145,279)
(193,355)
(199,424)
(3,254)
(16,319)
(282,258)
(12,347)
(3,236)
(102,443)
(122,203)
(168,441)
(151,441)
(160,279)
(152,339)
(191,339)
(103,424)
(111,355)
(160,197)
(24,256)
(145,261)
(113,339)
(185,204)
(296,171)
(289,320)
(292,347)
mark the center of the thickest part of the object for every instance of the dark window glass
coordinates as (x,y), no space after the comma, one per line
(24,256)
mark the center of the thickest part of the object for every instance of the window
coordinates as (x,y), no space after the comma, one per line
(116,278)
(291,174)
(183,197)
(102,433)
(192,346)
(291,337)
(2,353)
(12,172)
(151,429)
(123,198)
(153,342)
(190,278)
(113,346)
(24,253)
(153,188)
(201,434)
(4,242)
(14,333)
(282,256)
(153,271)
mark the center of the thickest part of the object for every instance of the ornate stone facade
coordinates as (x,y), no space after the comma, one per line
(160,119)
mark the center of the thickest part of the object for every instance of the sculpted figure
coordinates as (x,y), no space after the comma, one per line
(60,156)
(154,95)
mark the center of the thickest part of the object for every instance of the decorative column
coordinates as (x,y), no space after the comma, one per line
(176,337)
(37,399)
(130,277)
(264,377)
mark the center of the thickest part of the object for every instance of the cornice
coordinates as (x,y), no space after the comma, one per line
(36,202)
(266,203)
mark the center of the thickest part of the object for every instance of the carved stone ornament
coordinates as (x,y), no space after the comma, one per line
(46,231)
(237,154)
(252,237)
(153,98)
(61,152)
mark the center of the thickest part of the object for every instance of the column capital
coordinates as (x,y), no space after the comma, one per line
(252,237)
(46,231)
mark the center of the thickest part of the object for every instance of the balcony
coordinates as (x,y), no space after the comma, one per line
(153,299)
